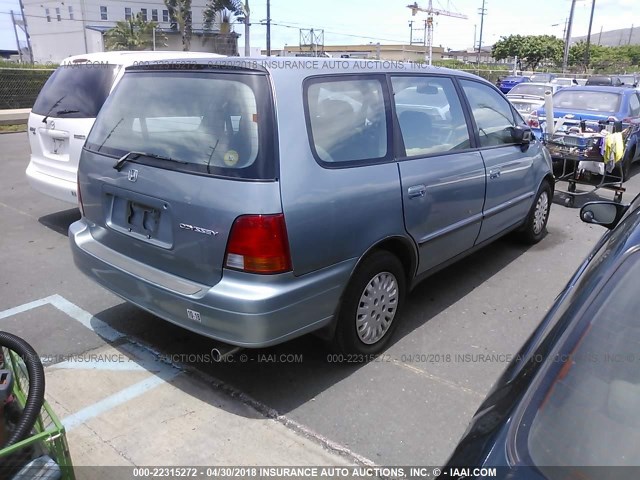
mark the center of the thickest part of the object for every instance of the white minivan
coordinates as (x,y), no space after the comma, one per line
(66,109)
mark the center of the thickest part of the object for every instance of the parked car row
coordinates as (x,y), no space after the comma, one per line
(628,80)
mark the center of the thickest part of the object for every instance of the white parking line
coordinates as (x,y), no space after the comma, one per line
(161,372)
(117,399)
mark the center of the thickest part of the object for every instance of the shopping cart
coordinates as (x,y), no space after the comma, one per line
(578,159)
(47,436)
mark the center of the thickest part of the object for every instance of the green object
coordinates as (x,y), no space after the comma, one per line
(48,434)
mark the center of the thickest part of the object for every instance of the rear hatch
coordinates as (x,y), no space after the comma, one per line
(63,115)
(175,157)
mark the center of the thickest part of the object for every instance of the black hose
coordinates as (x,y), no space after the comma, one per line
(35,399)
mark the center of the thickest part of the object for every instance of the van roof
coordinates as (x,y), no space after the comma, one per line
(128,57)
(302,67)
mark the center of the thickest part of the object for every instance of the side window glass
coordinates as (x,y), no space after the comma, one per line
(492,113)
(348,120)
(634,105)
(430,115)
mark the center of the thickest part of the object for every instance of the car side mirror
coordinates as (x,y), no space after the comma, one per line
(522,134)
(607,214)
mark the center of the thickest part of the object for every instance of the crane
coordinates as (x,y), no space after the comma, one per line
(430,11)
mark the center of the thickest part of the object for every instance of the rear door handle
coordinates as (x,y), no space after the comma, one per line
(494,173)
(417,191)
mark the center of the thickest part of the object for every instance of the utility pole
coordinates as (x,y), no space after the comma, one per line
(586,52)
(630,33)
(475,38)
(410,32)
(15,31)
(247,24)
(600,36)
(424,37)
(567,40)
(268,28)
(483,12)
(26,31)
(83,12)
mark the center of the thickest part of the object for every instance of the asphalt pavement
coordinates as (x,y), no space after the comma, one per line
(409,407)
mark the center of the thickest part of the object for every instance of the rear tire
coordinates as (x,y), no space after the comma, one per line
(370,307)
(535,227)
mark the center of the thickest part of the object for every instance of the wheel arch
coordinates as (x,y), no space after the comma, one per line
(406,252)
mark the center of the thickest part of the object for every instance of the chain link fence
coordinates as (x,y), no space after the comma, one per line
(19,87)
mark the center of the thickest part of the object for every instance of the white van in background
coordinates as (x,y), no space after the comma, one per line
(66,108)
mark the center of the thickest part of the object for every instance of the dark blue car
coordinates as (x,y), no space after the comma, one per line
(568,406)
(591,105)
(507,83)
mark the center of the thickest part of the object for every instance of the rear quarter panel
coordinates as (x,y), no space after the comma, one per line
(332,214)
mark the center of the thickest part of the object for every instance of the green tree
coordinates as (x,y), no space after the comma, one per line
(600,58)
(508,47)
(531,50)
(181,20)
(134,34)
(224,10)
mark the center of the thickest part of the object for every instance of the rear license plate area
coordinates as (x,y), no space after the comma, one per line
(142,219)
(138,216)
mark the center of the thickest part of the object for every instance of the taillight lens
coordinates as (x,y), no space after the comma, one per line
(533,120)
(258,244)
(79,194)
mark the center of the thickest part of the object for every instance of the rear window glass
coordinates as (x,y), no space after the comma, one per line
(570,99)
(75,91)
(527,89)
(586,410)
(348,119)
(208,122)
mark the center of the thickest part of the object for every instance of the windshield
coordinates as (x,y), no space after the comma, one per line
(528,89)
(512,79)
(75,91)
(591,101)
(586,413)
(206,122)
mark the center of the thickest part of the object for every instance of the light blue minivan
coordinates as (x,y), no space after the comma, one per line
(253,201)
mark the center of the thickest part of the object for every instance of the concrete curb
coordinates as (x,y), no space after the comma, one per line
(18,116)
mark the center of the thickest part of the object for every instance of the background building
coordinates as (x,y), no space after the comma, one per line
(71,27)
(399,52)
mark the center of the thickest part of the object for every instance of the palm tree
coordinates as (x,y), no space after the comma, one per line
(181,21)
(224,10)
(133,34)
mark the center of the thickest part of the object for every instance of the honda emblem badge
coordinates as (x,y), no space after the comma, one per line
(133,175)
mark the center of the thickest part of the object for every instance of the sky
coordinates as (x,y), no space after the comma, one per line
(387,21)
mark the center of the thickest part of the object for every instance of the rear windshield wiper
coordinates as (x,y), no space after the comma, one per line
(132,156)
(66,112)
(44,120)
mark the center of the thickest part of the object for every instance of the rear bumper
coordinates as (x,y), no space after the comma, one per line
(241,309)
(52,186)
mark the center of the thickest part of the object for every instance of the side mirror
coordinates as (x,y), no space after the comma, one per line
(522,134)
(607,214)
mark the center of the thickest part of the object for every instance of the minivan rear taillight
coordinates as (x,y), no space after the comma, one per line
(258,244)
